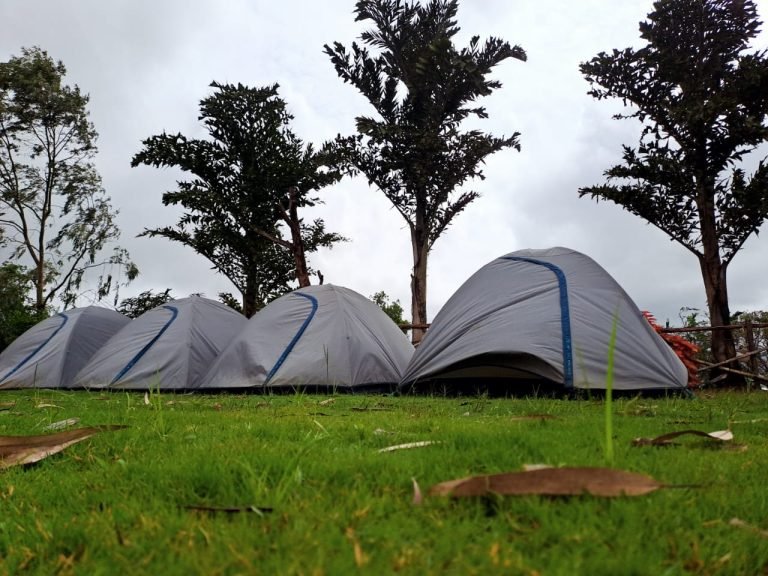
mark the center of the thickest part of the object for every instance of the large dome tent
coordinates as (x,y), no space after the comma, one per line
(318,337)
(169,347)
(541,317)
(49,354)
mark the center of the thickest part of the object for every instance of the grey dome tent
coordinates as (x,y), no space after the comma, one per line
(541,317)
(322,337)
(169,347)
(49,354)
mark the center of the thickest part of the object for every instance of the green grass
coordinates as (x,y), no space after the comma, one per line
(115,503)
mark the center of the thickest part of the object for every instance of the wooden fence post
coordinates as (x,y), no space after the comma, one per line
(749,336)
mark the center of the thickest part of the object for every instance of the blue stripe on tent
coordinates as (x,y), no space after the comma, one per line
(132,363)
(565,315)
(295,339)
(36,350)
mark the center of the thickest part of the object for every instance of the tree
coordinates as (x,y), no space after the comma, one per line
(17,311)
(393,309)
(422,88)
(227,299)
(53,209)
(249,179)
(144,302)
(702,98)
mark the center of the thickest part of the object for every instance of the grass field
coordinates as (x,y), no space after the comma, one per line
(324,500)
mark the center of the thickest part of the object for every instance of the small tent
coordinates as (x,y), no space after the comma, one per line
(49,354)
(169,347)
(541,318)
(323,337)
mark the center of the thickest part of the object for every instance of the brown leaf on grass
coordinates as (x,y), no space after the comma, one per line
(552,482)
(327,402)
(739,523)
(61,424)
(17,450)
(45,405)
(666,439)
(7,405)
(533,417)
(417,497)
(409,445)
(361,558)
(531,467)
(229,510)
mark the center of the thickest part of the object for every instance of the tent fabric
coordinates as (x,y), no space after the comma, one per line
(544,315)
(49,354)
(319,336)
(169,347)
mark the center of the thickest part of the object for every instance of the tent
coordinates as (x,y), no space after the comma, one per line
(49,354)
(541,318)
(323,337)
(169,347)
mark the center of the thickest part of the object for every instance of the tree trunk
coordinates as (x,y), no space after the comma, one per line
(40,286)
(723,343)
(419,283)
(713,271)
(297,242)
(250,298)
(299,257)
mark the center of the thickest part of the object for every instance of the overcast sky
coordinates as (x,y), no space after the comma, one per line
(147,63)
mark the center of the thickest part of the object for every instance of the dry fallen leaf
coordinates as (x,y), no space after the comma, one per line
(361,558)
(327,402)
(666,439)
(739,523)
(47,406)
(146,398)
(552,482)
(417,497)
(409,445)
(7,405)
(17,450)
(531,467)
(61,424)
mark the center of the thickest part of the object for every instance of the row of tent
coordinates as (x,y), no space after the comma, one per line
(541,317)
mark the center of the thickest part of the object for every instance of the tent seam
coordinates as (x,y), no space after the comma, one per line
(36,350)
(137,357)
(295,338)
(565,315)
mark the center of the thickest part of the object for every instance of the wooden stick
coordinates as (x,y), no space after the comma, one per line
(742,373)
(737,357)
(711,328)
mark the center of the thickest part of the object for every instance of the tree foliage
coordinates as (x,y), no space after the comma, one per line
(248,180)
(422,87)
(53,209)
(391,308)
(136,306)
(17,310)
(702,96)
(228,299)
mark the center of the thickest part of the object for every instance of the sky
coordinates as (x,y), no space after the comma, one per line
(146,64)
